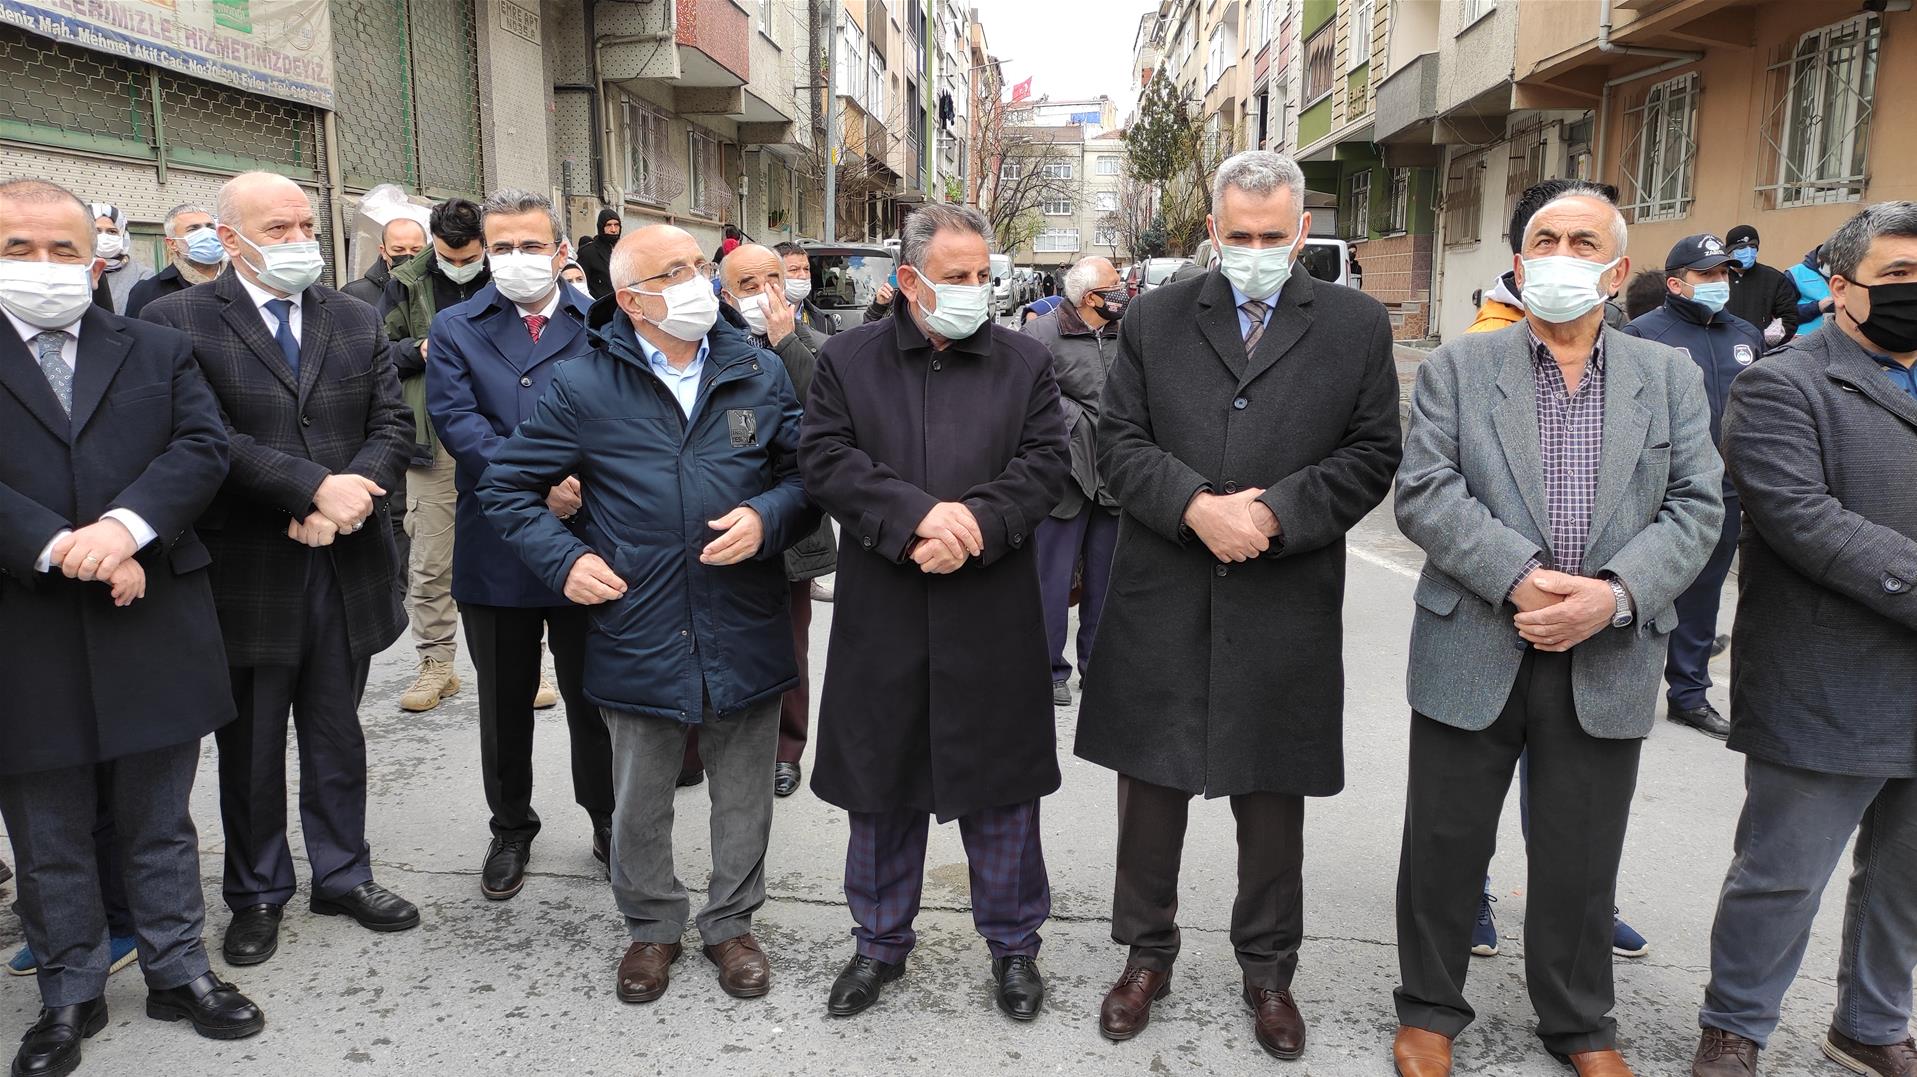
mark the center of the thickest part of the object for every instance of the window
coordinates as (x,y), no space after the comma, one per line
(1356,212)
(1106,201)
(1105,237)
(850,81)
(1470,11)
(1463,199)
(1010,169)
(1522,171)
(711,196)
(1657,169)
(1577,150)
(649,165)
(765,17)
(1362,16)
(1056,241)
(1398,209)
(1223,54)
(1826,116)
(1267,20)
(1061,170)
(1319,64)
(1110,165)
(875,84)
(1056,207)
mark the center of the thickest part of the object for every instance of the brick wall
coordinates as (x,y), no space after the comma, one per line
(1397,272)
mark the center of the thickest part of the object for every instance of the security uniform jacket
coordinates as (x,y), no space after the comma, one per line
(1217,678)
(87,681)
(1721,345)
(340,415)
(937,687)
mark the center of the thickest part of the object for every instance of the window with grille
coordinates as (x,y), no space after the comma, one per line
(1357,208)
(1320,64)
(1109,165)
(711,196)
(1661,150)
(1463,200)
(651,175)
(1362,14)
(1056,241)
(1056,207)
(1398,207)
(1522,171)
(1819,128)
(404,77)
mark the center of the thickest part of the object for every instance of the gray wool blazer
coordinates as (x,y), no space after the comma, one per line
(1471,493)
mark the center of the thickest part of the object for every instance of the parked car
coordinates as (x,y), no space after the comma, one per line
(1326,259)
(1159,270)
(846,277)
(1131,276)
(1004,288)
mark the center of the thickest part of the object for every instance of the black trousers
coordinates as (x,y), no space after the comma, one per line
(323,694)
(504,644)
(1581,790)
(1267,919)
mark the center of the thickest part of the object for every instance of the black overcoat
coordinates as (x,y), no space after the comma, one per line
(1218,678)
(937,688)
(87,681)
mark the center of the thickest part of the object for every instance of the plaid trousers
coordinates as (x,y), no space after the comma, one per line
(885,878)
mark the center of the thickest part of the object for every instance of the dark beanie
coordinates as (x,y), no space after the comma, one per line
(1738,235)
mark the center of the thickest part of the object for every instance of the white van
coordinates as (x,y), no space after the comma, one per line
(1004,288)
(1327,259)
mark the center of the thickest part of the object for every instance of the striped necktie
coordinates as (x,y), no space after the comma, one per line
(1255,310)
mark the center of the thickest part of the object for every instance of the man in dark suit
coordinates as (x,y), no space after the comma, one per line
(1821,439)
(493,357)
(110,445)
(1241,444)
(304,553)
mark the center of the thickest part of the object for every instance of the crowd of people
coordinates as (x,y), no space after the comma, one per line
(215,513)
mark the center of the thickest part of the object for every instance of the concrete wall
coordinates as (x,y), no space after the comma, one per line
(1475,58)
(1473,266)
(515,96)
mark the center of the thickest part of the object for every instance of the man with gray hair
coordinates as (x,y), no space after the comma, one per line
(1821,440)
(194,256)
(1249,420)
(1082,335)
(936,440)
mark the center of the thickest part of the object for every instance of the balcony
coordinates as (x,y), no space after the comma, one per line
(1407,103)
(714,39)
(710,60)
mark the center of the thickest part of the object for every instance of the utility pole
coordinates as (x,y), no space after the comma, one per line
(832,122)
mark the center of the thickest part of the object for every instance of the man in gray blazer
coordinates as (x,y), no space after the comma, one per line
(1561,479)
(1821,439)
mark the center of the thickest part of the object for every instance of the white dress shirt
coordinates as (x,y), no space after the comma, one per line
(70,354)
(261,297)
(552,305)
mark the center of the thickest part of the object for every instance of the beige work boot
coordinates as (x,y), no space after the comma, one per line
(548,696)
(435,682)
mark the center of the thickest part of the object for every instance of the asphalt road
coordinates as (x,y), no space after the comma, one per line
(526,986)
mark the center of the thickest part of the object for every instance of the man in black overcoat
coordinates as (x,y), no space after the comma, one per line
(1241,445)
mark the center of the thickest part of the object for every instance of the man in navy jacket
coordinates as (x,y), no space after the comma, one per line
(1693,320)
(684,438)
(493,358)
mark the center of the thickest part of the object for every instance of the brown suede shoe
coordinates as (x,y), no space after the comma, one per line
(1724,1054)
(1277,1022)
(1421,1053)
(1128,1005)
(646,970)
(1880,1060)
(744,971)
(1606,1063)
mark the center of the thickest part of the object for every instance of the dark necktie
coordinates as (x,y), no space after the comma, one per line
(47,348)
(535,324)
(1255,310)
(282,309)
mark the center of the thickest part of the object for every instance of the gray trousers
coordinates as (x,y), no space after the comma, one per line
(1789,840)
(50,817)
(739,751)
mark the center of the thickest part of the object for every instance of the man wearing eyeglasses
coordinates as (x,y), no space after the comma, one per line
(494,356)
(683,435)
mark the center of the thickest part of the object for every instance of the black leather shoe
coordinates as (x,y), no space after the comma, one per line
(690,778)
(51,1048)
(1021,991)
(216,1008)
(602,844)
(254,935)
(1704,719)
(859,984)
(375,907)
(6,873)
(785,779)
(505,869)
(1720,645)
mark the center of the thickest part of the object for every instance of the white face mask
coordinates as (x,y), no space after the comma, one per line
(290,267)
(522,278)
(691,308)
(1562,288)
(585,296)
(797,289)
(45,295)
(1259,272)
(109,245)
(460,274)
(752,309)
(962,309)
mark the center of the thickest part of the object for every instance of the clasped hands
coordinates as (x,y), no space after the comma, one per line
(1556,612)
(340,507)
(591,581)
(102,551)
(947,536)
(1235,526)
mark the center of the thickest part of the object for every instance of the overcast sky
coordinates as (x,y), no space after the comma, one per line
(1068,48)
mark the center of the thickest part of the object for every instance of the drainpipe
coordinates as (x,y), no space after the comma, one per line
(1674,59)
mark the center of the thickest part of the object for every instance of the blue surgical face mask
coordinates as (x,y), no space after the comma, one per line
(1712,296)
(1746,256)
(203,247)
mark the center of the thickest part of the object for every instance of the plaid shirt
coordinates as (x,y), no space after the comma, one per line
(1571,438)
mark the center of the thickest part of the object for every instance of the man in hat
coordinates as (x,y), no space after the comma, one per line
(1761,295)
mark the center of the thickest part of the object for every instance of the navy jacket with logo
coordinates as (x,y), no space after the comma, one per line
(1721,345)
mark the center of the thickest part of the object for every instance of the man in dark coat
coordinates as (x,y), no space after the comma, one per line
(683,435)
(400,241)
(1761,294)
(1821,439)
(493,358)
(112,445)
(595,253)
(302,552)
(936,441)
(798,290)
(191,234)
(1241,445)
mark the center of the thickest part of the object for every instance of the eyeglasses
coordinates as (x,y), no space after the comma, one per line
(545,249)
(680,274)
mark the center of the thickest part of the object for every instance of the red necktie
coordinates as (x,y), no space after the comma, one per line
(535,324)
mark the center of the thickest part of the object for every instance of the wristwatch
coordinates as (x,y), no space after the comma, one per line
(1623,617)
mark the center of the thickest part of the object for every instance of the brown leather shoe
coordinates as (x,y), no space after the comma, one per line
(1421,1053)
(1606,1063)
(1724,1054)
(646,970)
(1276,1020)
(1880,1060)
(1127,1008)
(744,971)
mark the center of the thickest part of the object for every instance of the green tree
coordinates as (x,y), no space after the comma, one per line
(1159,144)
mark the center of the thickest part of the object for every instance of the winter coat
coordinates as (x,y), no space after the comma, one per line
(1081,357)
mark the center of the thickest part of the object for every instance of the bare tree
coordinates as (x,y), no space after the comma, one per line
(1136,218)
(1019,169)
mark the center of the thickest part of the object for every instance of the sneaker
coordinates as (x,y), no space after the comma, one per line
(124,949)
(1484,935)
(1625,941)
(435,682)
(548,695)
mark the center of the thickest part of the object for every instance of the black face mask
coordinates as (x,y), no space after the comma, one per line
(1892,324)
(1113,303)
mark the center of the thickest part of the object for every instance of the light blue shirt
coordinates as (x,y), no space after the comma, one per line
(1244,320)
(683,383)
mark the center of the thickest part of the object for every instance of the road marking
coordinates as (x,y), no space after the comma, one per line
(1382,562)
